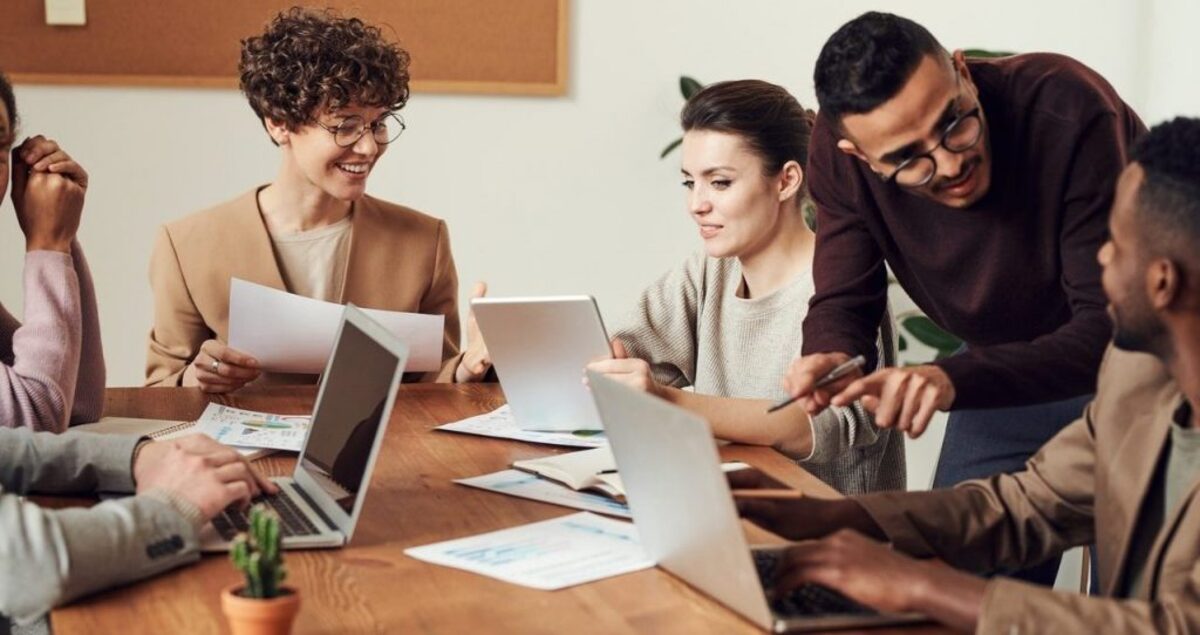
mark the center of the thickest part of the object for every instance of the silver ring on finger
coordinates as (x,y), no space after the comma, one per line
(215,366)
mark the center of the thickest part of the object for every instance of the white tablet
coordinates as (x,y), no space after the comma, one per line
(540,347)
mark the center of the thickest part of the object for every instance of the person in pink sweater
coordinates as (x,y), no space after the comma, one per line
(52,363)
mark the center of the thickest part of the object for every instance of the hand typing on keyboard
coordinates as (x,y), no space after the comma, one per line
(199,471)
(869,573)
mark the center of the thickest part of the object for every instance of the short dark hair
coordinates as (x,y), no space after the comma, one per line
(1168,202)
(867,61)
(767,117)
(10,103)
(310,60)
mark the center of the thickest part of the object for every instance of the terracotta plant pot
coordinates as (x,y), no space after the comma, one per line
(253,616)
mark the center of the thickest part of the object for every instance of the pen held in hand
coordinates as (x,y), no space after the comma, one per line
(839,371)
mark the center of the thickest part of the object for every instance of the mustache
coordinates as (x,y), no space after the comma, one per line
(967,167)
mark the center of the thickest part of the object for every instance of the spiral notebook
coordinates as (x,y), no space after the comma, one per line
(214,422)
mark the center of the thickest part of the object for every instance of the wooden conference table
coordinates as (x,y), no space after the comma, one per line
(371,586)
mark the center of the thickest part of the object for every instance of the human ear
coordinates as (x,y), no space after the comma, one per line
(847,146)
(278,131)
(1163,284)
(791,178)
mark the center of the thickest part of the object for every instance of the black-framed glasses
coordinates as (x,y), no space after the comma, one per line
(384,130)
(959,136)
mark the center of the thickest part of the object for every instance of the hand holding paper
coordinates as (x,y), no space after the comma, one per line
(288,333)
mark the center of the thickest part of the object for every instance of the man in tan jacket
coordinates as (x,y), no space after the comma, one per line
(1123,476)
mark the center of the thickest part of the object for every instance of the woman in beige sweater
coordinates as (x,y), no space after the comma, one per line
(327,90)
(726,322)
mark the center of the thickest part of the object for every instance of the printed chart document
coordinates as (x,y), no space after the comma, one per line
(533,487)
(501,424)
(289,333)
(251,429)
(253,434)
(548,555)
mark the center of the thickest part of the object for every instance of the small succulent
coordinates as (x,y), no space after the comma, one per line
(258,556)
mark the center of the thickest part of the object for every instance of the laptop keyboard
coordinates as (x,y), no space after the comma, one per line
(292,521)
(807,600)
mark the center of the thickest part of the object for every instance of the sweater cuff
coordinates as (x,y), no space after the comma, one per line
(47,258)
(189,511)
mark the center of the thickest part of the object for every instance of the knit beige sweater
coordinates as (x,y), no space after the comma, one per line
(694,330)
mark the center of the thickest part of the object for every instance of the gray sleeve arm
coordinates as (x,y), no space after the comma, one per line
(54,556)
(835,430)
(662,327)
(72,462)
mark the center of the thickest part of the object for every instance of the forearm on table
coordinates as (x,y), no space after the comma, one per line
(747,421)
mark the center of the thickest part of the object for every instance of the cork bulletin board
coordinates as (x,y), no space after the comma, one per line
(457,46)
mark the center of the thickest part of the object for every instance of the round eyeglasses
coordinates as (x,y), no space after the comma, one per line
(384,130)
(959,136)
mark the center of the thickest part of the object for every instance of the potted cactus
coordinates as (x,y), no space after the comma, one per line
(260,606)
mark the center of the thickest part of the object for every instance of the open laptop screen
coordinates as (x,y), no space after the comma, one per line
(357,382)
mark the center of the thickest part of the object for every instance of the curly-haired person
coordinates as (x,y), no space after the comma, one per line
(327,89)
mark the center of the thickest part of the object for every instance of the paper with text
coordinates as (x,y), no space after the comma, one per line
(548,555)
(500,423)
(289,333)
(251,429)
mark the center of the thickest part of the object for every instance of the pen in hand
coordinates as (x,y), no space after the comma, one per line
(839,371)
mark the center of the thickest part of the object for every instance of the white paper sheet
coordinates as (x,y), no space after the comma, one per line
(531,486)
(289,333)
(251,429)
(548,555)
(500,423)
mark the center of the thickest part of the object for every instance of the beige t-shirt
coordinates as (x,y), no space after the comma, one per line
(313,262)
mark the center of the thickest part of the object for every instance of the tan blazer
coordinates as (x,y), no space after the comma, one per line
(399,261)
(1086,484)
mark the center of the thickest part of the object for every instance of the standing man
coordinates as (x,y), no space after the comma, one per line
(1125,475)
(985,185)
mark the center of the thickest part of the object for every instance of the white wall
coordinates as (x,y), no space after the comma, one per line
(541,194)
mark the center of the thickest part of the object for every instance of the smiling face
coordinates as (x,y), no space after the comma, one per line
(914,121)
(312,157)
(734,202)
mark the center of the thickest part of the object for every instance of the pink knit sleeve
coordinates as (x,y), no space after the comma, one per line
(89,383)
(38,386)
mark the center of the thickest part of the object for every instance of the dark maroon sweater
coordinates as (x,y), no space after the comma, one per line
(1015,275)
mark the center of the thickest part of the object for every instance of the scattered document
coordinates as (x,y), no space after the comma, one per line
(500,423)
(250,429)
(289,333)
(533,487)
(547,555)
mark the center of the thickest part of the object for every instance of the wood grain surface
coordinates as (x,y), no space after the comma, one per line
(371,586)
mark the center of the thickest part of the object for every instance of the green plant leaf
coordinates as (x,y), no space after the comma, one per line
(901,343)
(670,148)
(986,53)
(930,334)
(689,86)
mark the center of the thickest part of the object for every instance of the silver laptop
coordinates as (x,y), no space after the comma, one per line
(320,504)
(540,347)
(687,521)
